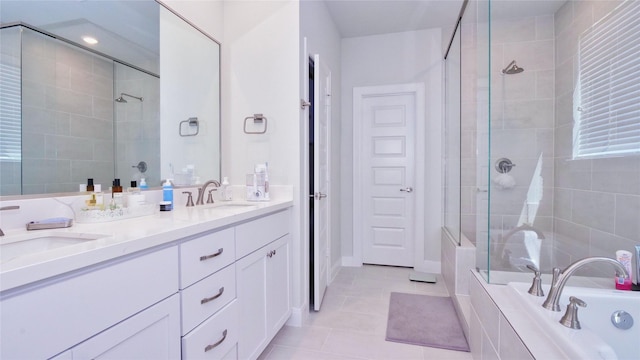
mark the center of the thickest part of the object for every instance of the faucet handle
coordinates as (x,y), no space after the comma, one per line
(536,286)
(570,318)
(189,198)
(210,197)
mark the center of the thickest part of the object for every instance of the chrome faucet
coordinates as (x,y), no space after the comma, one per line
(12,207)
(560,279)
(202,190)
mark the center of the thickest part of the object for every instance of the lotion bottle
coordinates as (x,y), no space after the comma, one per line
(227,193)
(624,258)
(143,184)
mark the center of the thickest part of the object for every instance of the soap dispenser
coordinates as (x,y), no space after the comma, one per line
(167,195)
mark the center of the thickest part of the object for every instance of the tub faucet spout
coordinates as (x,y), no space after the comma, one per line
(560,279)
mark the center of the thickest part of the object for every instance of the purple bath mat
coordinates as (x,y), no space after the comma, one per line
(425,320)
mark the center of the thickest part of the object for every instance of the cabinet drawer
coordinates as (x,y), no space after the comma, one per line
(49,319)
(258,233)
(214,338)
(205,255)
(204,298)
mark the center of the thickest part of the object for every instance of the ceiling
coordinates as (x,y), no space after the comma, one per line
(355,18)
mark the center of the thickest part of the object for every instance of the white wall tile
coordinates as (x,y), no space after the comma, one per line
(594,209)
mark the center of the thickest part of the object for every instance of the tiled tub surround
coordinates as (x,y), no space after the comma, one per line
(598,338)
(122,237)
(506,323)
(493,332)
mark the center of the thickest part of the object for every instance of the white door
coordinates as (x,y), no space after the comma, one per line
(322,118)
(385,177)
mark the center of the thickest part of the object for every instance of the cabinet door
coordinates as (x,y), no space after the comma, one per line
(57,315)
(278,285)
(152,334)
(252,299)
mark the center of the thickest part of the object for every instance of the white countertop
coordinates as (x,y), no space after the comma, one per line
(123,237)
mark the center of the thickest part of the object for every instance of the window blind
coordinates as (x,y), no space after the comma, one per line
(607,116)
(10,113)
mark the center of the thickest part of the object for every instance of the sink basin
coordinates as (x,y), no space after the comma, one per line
(20,245)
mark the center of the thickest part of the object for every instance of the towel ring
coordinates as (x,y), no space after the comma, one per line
(257,118)
(192,121)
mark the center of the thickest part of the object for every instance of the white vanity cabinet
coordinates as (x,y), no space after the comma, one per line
(44,319)
(264,281)
(208,292)
(220,294)
(151,334)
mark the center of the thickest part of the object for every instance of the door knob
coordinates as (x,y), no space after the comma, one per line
(409,189)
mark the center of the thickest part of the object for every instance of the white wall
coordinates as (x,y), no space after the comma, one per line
(260,74)
(193,91)
(406,57)
(323,38)
(206,15)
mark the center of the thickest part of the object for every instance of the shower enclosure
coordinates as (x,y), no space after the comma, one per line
(543,135)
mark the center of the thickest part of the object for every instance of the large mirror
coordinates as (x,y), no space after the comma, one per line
(142,102)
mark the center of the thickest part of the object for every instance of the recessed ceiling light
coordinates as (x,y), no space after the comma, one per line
(90,40)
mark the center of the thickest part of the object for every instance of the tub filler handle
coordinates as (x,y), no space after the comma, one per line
(536,286)
(570,318)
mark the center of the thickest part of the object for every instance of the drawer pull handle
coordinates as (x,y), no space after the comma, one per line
(206,257)
(206,300)
(212,346)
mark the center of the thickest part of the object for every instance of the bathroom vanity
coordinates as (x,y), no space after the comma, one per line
(204,282)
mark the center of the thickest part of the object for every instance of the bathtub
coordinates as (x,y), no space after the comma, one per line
(598,338)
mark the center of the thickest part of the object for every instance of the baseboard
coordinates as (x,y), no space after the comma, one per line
(298,316)
(432,267)
(350,261)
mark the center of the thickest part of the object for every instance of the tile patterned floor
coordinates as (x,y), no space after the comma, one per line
(353,320)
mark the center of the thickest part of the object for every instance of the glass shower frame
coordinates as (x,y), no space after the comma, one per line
(551,209)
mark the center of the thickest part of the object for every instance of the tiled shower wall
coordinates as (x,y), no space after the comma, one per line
(597,202)
(137,125)
(67,116)
(522,120)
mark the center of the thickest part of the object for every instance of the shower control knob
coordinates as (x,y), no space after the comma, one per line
(407,190)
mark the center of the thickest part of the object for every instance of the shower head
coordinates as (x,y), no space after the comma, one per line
(121,99)
(512,68)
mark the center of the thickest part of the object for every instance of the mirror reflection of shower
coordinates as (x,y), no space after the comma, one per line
(512,68)
(121,99)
